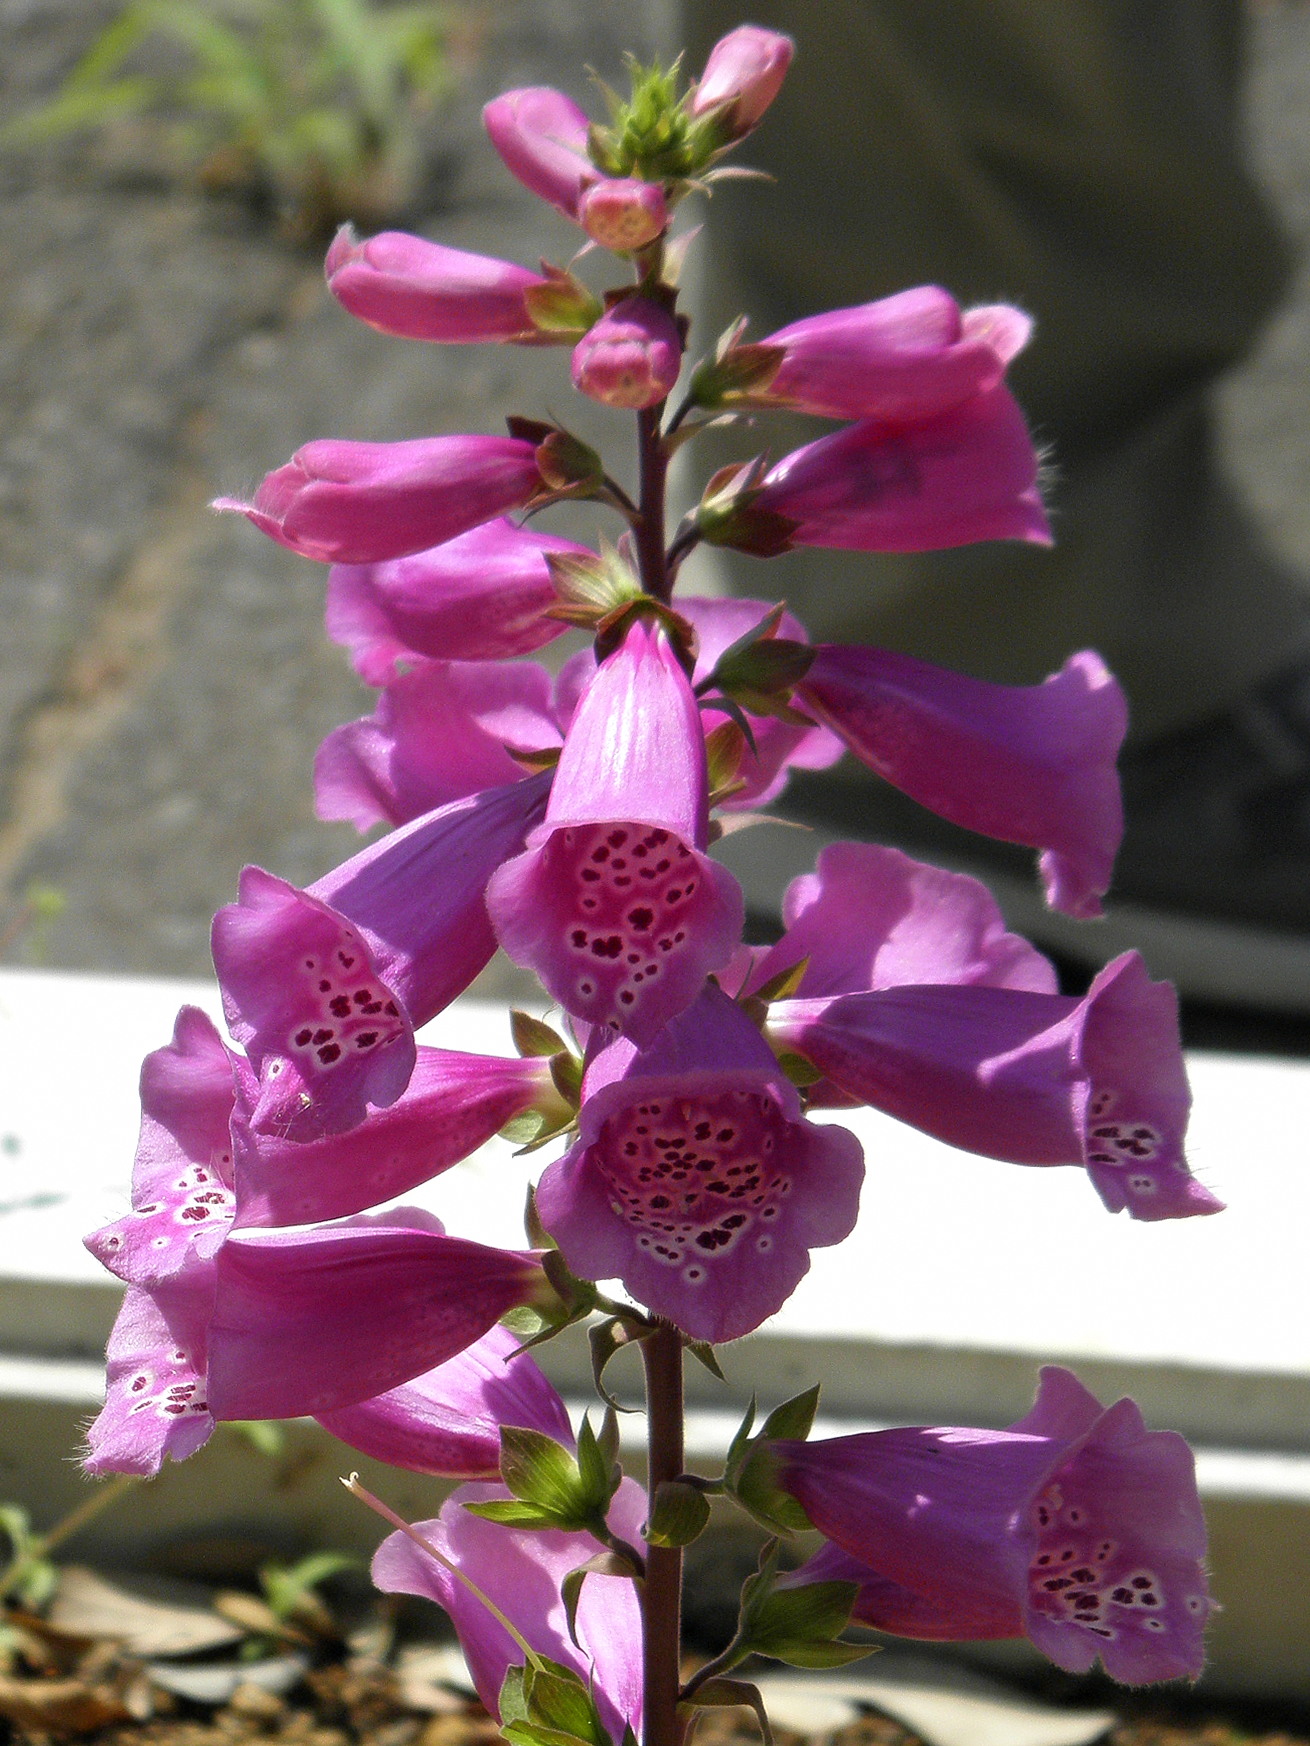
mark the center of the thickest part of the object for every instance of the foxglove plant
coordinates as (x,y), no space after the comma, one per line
(568,816)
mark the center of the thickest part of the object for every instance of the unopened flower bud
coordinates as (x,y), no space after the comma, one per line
(743,75)
(631,357)
(624,213)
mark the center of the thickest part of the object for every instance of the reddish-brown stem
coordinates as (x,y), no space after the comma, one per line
(662,1602)
(648,529)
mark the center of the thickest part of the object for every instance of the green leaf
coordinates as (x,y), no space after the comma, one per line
(741,1440)
(605,1563)
(539,1470)
(679,1514)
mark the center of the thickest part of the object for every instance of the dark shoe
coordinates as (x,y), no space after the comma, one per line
(1212,884)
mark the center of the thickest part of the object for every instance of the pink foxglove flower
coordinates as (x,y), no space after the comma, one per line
(615,904)
(870,918)
(522,1571)
(1076,1526)
(447,1422)
(416,289)
(438,734)
(696,1179)
(542,137)
(742,76)
(359,503)
(1028,1078)
(324,987)
(630,357)
(311,1321)
(1032,764)
(903,359)
(968,474)
(182,1178)
(624,213)
(453,1104)
(481,597)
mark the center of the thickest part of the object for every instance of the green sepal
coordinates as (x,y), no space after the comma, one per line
(605,1563)
(559,1702)
(723,1693)
(563,306)
(801,1625)
(605,1339)
(741,1442)
(533,1036)
(598,1472)
(756,1489)
(705,1355)
(736,373)
(799,1070)
(595,582)
(794,1418)
(513,1699)
(783,985)
(561,1490)
(679,1514)
(511,1512)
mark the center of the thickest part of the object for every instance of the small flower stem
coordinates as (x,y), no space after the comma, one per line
(648,530)
(662,1598)
(355,1489)
(41,1545)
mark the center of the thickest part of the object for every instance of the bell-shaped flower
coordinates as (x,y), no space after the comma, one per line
(779,746)
(1031,764)
(870,917)
(481,597)
(416,289)
(1030,1078)
(453,1104)
(631,357)
(1076,1527)
(742,76)
(522,1573)
(542,137)
(325,987)
(310,1321)
(439,733)
(902,359)
(624,213)
(447,1422)
(615,904)
(359,503)
(969,474)
(156,1400)
(695,1177)
(182,1179)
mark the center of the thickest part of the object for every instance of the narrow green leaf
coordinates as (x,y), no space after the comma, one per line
(794,1418)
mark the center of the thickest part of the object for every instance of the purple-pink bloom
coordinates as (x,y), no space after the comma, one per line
(522,1572)
(870,917)
(969,474)
(742,76)
(358,503)
(630,357)
(183,1174)
(1032,764)
(310,1321)
(903,359)
(695,1177)
(1029,1078)
(416,289)
(623,213)
(1077,1527)
(615,904)
(779,746)
(447,1421)
(481,597)
(439,733)
(453,1104)
(324,987)
(542,137)
(156,1405)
